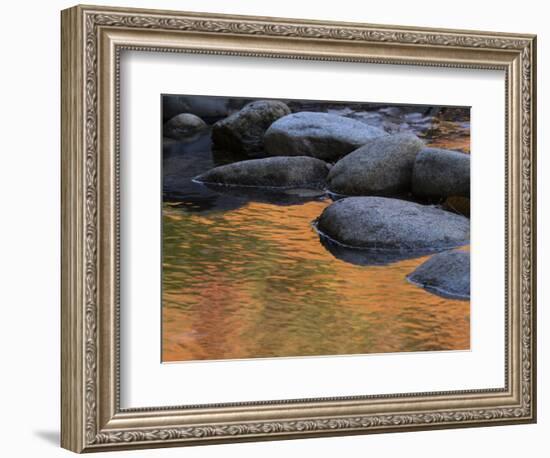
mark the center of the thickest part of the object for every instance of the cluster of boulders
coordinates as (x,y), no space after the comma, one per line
(384,185)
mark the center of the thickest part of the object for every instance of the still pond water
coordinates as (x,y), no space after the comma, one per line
(244,277)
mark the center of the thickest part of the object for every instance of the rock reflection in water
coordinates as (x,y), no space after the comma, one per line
(256,282)
(369,257)
(245,275)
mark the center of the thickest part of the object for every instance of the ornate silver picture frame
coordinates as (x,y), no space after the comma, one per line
(93,39)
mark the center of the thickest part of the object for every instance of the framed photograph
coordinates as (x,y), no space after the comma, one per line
(278,228)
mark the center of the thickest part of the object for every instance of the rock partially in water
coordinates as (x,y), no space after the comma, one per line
(179,167)
(380,223)
(383,167)
(243,131)
(183,126)
(321,135)
(278,172)
(441,173)
(446,274)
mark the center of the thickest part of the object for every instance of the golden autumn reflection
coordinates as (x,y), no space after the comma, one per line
(256,282)
(245,276)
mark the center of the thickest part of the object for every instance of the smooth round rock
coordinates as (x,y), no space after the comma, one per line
(243,131)
(381,223)
(280,172)
(183,126)
(446,274)
(321,135)
(441,173)
(382,167)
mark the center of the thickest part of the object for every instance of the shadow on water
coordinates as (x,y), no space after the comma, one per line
(369,257)
(274,196)
(244,274)
(184,160)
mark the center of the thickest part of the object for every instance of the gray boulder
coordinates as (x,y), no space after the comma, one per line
(381,223)
(279,172)
(321,135)
(243,131)
(446,274)
(441,173)
(383,167)
(183,126)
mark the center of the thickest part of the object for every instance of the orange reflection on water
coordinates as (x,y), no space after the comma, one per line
(451,135)
(256,282)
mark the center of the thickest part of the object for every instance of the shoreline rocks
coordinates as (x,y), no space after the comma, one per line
(210,108)
(272,172)
(383,167)
(320,135)
(441,173)
(446,274)
(380,223)
(243,131)
(183,125)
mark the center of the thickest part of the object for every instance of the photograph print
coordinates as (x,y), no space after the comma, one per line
(294,228)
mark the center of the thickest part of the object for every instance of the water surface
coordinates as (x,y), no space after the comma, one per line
(246,277)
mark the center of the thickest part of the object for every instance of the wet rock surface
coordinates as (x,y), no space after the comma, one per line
(380,223)
(279,172)
(383,167)
(446,274)
(441,173)
(321,135)
(243,131)
(183,126)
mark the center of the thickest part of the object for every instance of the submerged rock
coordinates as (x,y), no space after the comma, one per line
(383,167)
(446,274)
(183,126)
(280,172)
(441,173)
(321,135)
(243,131)
(380,223)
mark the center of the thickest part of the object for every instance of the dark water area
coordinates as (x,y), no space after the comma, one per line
(245,274)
